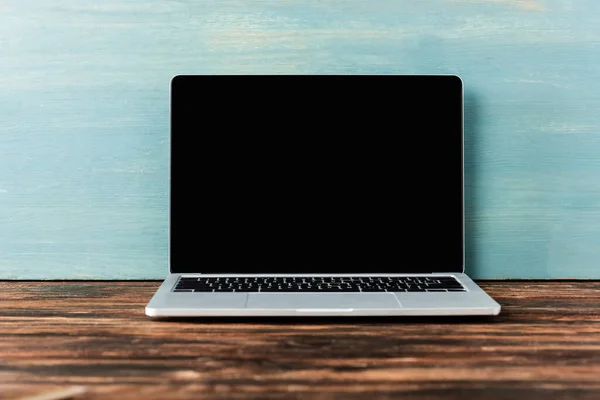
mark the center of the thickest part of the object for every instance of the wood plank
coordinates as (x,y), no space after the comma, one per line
(545,343)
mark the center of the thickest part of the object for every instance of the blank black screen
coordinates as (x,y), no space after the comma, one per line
(316,174)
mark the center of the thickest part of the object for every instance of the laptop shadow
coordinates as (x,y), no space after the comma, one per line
(471,163)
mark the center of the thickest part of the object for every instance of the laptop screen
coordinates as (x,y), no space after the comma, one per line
(316,174)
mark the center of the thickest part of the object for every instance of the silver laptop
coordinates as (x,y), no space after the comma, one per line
(317,196)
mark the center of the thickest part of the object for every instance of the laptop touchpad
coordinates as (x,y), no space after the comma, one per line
(325,301)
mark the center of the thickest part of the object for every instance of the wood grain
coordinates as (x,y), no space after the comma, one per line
(545,344)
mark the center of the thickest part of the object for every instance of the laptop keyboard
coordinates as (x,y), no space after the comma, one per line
(320,284)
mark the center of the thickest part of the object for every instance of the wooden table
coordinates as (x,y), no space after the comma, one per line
(544,345)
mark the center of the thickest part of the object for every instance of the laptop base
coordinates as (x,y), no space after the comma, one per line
(473,301)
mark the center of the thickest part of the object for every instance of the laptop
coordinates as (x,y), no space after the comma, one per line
(317,195)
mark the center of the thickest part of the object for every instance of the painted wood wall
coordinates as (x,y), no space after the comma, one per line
(84,105)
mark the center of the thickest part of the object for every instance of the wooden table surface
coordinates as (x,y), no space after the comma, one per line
(54,335)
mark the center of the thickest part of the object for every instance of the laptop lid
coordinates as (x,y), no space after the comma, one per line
(316,174)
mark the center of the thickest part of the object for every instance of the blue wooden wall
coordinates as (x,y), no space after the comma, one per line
(84,105)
